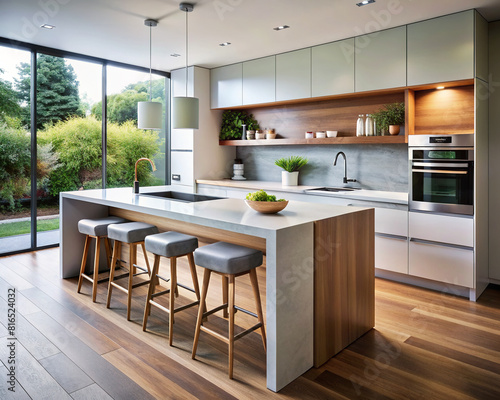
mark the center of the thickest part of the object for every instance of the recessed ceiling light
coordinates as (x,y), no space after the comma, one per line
(224,44)
(47,26)
(440,87)
(281,27)
(365,2)
(175,55)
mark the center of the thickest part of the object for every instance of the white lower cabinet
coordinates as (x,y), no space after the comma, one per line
(391,253)
(442,263)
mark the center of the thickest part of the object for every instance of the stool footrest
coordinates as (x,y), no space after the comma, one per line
(87,277)
(214,310)
(247,331)
(160,293)
(194,303)
(215,334)
(246,311)
(186,287)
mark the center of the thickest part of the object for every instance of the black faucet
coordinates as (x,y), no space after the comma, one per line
(345,180)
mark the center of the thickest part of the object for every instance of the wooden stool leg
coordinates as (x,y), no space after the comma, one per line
(258,305)
(204,291)
(107,247)
(96,267)
(194,276)
(224,295)
(231,325)
(151,290)
(84,261)
(133,260)
(171,306)
(116,251)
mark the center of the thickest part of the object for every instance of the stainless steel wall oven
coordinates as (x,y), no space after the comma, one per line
(442,173)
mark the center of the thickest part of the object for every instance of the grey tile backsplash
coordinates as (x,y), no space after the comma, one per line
(375,167)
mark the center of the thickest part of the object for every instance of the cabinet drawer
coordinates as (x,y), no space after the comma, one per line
(391,254)
(442,228)
(392,222)
(442,263)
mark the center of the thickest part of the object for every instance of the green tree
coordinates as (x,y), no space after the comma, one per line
(57,90)
(8,101)
(122,107)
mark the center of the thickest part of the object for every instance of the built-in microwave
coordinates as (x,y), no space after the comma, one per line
(442,173)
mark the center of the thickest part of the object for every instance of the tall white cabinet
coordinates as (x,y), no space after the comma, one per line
(195,153)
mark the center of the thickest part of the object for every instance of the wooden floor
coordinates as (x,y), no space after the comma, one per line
(426,345)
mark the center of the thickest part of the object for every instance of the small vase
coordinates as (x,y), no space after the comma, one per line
(394,129)
(290,178)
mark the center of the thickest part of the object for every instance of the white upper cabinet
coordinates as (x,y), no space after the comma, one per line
(380,60)
(259,80)
(293,75)
(226,86)
(333,68)
(441,49)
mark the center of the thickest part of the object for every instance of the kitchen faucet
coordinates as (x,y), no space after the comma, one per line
(345,166)
(136,182)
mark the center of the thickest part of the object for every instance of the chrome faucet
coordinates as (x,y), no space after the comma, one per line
(136,182)
(345,180)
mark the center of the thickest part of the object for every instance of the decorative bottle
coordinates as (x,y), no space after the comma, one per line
(360,126)
(369,125)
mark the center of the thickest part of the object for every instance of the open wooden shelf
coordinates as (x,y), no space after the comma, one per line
(337,140)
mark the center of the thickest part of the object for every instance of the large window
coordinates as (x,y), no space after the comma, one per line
(15,153)
(126,143)
(63,151)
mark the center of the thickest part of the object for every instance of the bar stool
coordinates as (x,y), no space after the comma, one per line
(230,261)
(132,233)
(95,229)
(171,245)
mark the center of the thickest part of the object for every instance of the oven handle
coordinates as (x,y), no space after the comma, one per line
(439,171)
(445,165)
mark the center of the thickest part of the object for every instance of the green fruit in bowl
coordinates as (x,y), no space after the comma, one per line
(260,195)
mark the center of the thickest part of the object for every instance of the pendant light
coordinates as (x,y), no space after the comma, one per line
(185,110)
(149,113)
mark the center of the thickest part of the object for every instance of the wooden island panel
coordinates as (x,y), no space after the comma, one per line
(344,282)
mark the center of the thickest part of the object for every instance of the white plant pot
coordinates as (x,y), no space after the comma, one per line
(289,178)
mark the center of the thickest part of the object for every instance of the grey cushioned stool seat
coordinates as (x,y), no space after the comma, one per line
(95,229)
(133,233)
(99,226)
(227,258)
(171,245)
(230,261)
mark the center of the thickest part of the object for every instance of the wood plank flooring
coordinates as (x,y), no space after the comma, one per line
(425,345)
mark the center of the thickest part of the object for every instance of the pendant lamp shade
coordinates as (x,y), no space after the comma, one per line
(149,115)
(185,112)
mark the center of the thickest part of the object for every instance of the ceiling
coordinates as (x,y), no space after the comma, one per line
(115,30)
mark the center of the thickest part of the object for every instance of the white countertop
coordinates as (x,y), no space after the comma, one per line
(230,214)
(362,194)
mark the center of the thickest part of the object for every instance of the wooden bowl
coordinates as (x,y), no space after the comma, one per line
(267,207)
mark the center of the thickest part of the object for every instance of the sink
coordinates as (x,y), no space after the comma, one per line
(335,189)
(180,196)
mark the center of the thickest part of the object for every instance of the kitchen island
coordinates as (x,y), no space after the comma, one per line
(319,264)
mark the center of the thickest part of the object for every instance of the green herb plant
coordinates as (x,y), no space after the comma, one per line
(260,195)
(390,114)
(232,124)
(292,163)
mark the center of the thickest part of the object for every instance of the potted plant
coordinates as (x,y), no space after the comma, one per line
(232,124)
(391,117)
(291,166)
